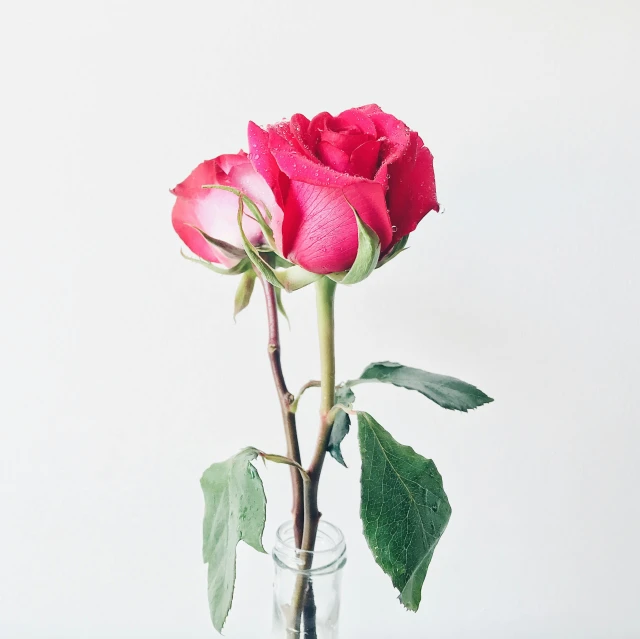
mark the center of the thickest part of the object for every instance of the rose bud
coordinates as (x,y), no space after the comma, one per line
(214,212)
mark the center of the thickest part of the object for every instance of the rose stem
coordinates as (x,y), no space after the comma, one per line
(325,294)
(288,418)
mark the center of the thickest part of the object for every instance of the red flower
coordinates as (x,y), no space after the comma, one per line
(318,168)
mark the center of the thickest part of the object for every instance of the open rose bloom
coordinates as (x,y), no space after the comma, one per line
(319,169)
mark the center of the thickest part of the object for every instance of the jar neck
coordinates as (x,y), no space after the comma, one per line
(329,554)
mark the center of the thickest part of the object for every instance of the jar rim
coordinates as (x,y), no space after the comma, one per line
(328,559)
(288,543)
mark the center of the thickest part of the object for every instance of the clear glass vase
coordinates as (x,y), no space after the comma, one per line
(312,593)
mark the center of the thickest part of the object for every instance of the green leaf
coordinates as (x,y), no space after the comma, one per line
(396,249)
(341,424)
(295,277)
(445,391)
(366,258)
(404,508)
(252,253)
(239,268)
(235,509)
(244,292)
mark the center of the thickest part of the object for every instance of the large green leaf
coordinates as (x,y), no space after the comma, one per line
(404,508)
(342,422)
(235,509)
(445,391)
(366,258)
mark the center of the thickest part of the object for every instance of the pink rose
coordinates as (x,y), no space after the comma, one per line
(365,158)
(215,211)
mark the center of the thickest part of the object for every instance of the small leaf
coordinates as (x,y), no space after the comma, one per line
(235,509)
(404,508)
(396,249)
(239,268)
(229,250)
(243,294)
(252,253)
(341,424)
(445,391)
(295,277)
(366,258)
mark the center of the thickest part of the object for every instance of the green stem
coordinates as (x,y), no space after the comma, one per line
(325,295)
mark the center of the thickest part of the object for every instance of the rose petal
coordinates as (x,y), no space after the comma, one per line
(412,188)
(364,159)
(183,219)
(300,167)
(262,160)
(333,157)
(395,136)
(228,160)
(306,139)
(345,141)
(357,118)
(320,231)
(204,173)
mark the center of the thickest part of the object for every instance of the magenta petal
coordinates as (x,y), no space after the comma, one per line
(320,230)
(262,160)
(364,159)
(333,157)
(300,167)
(356,118)
(412,188)
(204,173)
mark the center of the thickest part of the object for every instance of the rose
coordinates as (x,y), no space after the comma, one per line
(319,169)
(215,211)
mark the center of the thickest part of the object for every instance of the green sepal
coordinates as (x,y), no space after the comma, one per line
(448,392)
(396,249)
(252,206)
(295,277)
(341,424)
(366,258)
(242,266)
(252,253)
(403,507)
(244,292)
(235,510)
(229,250)
(280,262)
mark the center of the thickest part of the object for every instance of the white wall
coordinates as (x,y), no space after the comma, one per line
(124,375)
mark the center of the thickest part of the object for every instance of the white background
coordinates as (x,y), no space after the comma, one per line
(124,375)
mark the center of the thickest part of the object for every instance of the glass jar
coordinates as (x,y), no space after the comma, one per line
(318,586)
